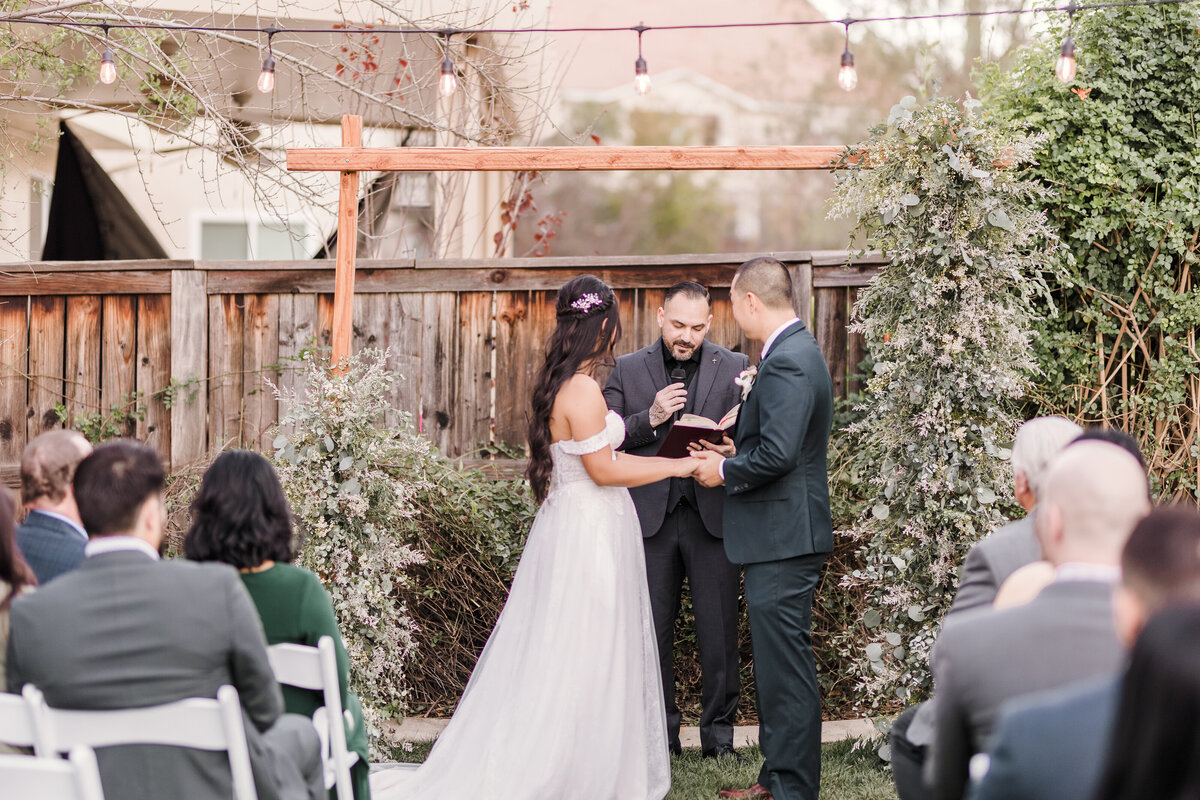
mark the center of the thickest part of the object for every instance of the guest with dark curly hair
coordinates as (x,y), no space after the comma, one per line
(241,517)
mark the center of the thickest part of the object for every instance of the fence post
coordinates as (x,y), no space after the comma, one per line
(189,363)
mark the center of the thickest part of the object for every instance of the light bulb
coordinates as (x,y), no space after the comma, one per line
(641,76)
(266,78)
(448,83)
(847,76)
(108,67)
(1065,68)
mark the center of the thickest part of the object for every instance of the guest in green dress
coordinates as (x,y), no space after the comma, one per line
(241,517)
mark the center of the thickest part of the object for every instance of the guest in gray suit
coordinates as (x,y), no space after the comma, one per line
(1052,746)
(1093,495)
(988,563)
(681,372)
(52,538)
(127,630)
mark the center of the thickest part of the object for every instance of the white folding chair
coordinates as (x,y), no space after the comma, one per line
(199,722)
(16,723)
(77,778)
(315,668)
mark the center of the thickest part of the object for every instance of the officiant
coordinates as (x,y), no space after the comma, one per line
(680,373)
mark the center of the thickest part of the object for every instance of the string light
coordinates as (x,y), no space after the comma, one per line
(847,75)
(448,82)
(108,65)
(1065,68)
(641,75)
(266,78)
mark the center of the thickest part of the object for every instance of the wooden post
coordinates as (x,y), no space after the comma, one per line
(189,365)
(347,242)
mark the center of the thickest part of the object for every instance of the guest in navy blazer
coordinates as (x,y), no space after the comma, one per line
(52,539)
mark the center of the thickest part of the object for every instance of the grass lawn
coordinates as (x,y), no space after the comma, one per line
(845,775)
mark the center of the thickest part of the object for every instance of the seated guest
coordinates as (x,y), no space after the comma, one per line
(127,630)
(240,517)
(988,564)
(1051,746)
(1093,495)
(52,539)
(1156,734)
(15,575)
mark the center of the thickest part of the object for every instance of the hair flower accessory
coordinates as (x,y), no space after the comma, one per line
(745,379)
(586,302)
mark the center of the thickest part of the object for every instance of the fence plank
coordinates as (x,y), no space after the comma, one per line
(473,369)
(225,348)
(154,370)
(439,402)
(802,291)
(831,305)
(324,328)
(856,351)
(83,355)
(725,330)
(118,357)
(297,322)
(14,386)
(189,363)
(260,356)
(47,326)
(514,356)
(404,352)
(82,282)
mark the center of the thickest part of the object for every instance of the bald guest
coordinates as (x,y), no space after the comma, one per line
(52,539)
(1093,495)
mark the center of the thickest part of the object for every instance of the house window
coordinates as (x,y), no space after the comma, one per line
(243,240)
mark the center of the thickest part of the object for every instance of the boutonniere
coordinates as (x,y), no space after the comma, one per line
(745,379)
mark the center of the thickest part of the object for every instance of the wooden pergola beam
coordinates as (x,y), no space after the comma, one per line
(552,159)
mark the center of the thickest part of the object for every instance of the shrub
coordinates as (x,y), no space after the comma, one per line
(948,324)
(1120,153)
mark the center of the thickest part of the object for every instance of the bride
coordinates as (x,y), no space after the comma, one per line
(565,702)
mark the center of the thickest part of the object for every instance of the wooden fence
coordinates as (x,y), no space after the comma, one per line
(188,346)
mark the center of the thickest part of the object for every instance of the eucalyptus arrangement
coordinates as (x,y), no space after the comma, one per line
(948,325)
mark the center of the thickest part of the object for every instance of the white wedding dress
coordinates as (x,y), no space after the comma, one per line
(564,702)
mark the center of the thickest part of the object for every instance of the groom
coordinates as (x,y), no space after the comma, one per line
(777,523)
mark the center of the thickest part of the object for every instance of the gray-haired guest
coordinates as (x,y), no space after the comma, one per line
(52,539)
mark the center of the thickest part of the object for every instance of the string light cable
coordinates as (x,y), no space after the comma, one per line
(1066,63)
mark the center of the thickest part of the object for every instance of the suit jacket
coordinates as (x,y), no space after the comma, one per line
(988,564)
(50,546)
(126,631)
(1063,635)
(630,392)
(777,486)
(1052,746)
(992,559)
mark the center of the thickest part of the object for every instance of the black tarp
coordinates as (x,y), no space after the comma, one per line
(90,220)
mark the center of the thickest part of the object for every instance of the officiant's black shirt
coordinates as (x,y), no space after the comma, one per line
(681,488)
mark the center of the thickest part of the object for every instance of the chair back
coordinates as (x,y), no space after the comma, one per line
(199,722)
(315,668)
(78,778)
(16,722)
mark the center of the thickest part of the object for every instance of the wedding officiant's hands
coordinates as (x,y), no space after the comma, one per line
(708,470)
(725,449)
(667,401)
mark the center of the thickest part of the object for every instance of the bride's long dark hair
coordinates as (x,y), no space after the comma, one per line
(589,326)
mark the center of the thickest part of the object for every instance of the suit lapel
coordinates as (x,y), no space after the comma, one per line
(655,364)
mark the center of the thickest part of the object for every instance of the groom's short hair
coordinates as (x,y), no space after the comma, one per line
(768,279)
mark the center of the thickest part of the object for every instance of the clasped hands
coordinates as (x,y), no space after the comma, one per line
(706,459)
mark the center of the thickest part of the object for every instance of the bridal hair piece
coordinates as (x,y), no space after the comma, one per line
(586,304)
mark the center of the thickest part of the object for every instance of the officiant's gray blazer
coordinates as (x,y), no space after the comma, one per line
(630,392)
(127,631)
(983,659)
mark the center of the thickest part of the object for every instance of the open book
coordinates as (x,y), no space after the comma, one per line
(694,428)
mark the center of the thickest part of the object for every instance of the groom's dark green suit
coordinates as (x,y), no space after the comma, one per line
(777,523)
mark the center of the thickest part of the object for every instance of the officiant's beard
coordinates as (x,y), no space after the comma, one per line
(681,350)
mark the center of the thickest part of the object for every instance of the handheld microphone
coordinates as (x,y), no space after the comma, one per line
(678,375)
